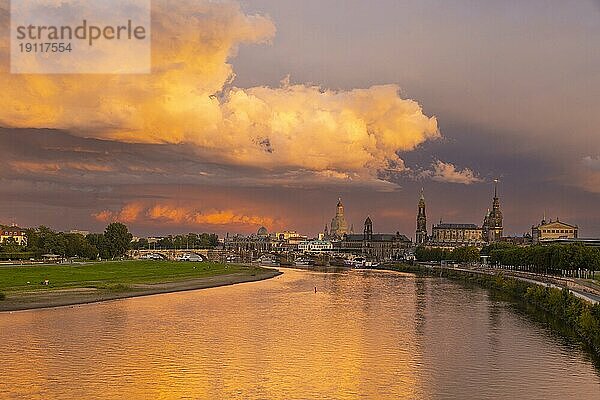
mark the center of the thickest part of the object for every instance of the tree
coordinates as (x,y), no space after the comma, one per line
(10,246)
(97,241)
(79,246)
(468,254)
(431,254)
(141,244)
(44,240)
(117,239)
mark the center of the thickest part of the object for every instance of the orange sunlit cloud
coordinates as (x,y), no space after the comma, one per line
(189,99)
(189,216)
(55,167)
(449,173)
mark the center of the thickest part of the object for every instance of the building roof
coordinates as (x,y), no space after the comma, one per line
(556,223)
(316,241)
(12,231)
(456,226)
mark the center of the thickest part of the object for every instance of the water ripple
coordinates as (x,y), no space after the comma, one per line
(362,335)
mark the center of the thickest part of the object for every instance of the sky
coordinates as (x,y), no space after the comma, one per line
(264,112)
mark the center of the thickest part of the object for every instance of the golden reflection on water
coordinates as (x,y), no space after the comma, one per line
(362,335)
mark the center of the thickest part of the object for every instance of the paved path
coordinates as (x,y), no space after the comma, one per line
(541,280)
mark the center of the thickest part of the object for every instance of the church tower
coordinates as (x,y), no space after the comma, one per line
(421,233)
(368,231)
(339,225)
(492,225)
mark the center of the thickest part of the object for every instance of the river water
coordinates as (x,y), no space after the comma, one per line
(362,335)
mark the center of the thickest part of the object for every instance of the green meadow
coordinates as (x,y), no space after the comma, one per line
(115,275)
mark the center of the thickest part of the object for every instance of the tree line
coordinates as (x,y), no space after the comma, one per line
(112,243)
(189,241)
(551,259)
(466,254)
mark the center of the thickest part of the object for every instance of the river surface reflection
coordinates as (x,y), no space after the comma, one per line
(363,334)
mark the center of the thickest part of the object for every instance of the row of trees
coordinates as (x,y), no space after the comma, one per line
(551,259)
(189,241)
(113,243)
(466,254)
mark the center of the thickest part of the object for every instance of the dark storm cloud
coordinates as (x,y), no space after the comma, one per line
(55,178)
(514,86)
(58,179)
(521,77)
(532,181)
(57,156)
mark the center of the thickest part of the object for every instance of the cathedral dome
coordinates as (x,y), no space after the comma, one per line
(262,231)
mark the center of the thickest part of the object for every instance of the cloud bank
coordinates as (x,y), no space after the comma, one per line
(588,177)
(190,99)
(449,173)
(592,163)
(166,213)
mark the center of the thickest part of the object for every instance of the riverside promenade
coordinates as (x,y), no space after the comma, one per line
(585,289)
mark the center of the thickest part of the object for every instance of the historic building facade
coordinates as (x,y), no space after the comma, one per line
(421,233)
(456,235)
(377,246)
(492,223)
(263,241)
(15,234)
(450,235)
(315,246)
(252,243)
(553,230)
(339,225)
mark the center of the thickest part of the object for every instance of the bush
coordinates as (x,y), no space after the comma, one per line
(580,316)
(2,296)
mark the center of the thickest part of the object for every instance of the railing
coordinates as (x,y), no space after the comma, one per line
(585,287)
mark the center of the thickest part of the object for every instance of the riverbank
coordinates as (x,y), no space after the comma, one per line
(24,288)
(579,315)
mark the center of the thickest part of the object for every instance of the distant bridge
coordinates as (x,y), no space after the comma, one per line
(206,254)
(172,254)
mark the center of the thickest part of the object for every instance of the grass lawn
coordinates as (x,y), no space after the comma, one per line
(111,275)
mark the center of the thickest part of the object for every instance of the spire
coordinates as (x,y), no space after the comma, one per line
(496,201)
(368,231)
(422,203)
(496,188)
(544,218)
(493,221)
(339,225)
(421,232)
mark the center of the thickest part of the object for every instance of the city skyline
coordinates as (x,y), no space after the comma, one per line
(423,224)
(309,102)
(300,199)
